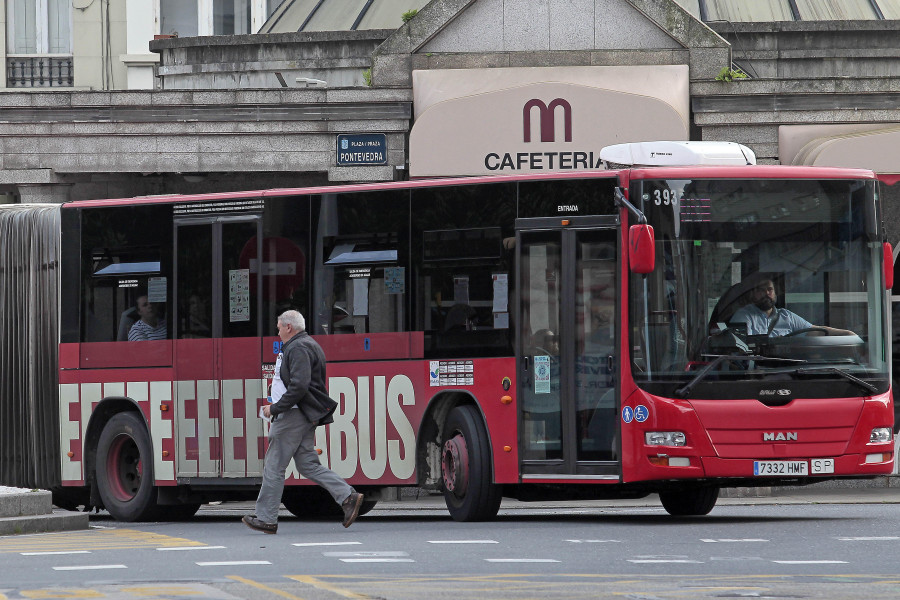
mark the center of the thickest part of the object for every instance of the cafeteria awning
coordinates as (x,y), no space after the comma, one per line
(872,146)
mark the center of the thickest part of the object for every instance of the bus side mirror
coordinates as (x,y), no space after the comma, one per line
(888,266)
(641,249)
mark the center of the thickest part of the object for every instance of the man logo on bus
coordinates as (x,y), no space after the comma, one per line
(547,116)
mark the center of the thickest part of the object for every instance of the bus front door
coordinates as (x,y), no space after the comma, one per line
(218,348)
(566,335)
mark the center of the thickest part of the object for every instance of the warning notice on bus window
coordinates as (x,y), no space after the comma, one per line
(541,374)
(239,295)
(451,373)
(156,289)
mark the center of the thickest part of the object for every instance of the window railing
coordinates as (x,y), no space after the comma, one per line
(39,71)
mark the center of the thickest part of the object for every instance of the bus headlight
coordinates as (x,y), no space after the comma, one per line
(664,438)
(880,435)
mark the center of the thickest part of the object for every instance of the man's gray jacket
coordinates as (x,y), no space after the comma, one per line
(303,374)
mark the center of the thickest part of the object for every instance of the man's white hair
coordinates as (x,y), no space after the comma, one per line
(294,319)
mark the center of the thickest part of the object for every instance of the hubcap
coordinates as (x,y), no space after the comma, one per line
(455,465)
(124,468)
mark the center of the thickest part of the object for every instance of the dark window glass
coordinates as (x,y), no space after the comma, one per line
(285,264)
(564,197)
(126,257)
(360,269)
(463,244)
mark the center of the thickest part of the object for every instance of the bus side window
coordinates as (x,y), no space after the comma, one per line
(360,273)
(464,275)
(125,266)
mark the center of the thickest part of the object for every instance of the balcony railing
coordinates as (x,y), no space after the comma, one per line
(39,71)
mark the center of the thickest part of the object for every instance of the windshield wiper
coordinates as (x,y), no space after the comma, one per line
(683,392)
(824,370)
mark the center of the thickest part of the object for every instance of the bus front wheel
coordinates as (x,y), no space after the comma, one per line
(692,502)
(466,471)
(125,469)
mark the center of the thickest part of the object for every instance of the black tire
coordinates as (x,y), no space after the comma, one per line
(311,502)
(692,502)
(125,469)
(466,468)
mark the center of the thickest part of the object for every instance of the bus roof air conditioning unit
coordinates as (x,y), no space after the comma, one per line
(675,154)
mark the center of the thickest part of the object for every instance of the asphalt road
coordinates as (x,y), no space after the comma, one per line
(777,548)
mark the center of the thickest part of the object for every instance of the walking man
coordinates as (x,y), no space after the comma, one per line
(300,403)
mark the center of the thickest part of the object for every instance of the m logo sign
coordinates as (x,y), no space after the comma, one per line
(547,117)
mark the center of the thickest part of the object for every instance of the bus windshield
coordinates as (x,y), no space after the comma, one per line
(760,281)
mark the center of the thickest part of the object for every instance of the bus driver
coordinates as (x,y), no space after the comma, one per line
(762,317)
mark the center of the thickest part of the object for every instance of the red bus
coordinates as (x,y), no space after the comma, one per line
(536,337)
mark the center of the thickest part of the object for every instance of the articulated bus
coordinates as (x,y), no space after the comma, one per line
(549,336)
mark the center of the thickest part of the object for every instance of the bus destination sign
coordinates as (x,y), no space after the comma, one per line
(361,149)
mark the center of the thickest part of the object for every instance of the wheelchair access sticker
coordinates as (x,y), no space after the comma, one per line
(639,413)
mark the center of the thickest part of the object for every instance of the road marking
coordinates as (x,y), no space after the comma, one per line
(521,560)
(193,548)
(650,561)
(89,567)
(810,562)
(883,538)
(91,539)
(327,544)
(730,540)
(382,554)
(48,553)
(322,585)
(463,542)
(595,541)
(260,586)
(377,560)
(232,563)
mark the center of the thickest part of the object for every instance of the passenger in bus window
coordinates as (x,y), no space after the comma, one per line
(197,322)
(762,317)
(151,325)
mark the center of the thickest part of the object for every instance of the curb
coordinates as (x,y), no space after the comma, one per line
(31,511)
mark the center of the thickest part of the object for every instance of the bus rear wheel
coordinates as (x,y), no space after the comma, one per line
(692,502)
(466,471)
(125,469)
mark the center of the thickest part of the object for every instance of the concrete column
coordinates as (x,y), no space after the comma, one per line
(44,193)
(140,26)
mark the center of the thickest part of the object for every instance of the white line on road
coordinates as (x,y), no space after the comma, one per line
(327,544)
(648,561)
(232,563)
(463,542)
(733,540)
(193,548)
(89,567)
(377,560)
(883,538)
(521,560)
(810,562)
(55,552)
(595,541)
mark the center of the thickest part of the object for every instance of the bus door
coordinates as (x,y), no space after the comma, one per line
(566,336)
(218,347)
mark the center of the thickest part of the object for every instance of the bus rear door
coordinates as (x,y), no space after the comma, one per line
(218,347)
(566,335)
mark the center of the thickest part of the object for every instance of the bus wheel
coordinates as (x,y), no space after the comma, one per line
(125,469)
(466,468)
(693,502)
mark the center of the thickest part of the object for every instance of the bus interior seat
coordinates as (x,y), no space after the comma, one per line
(128,318)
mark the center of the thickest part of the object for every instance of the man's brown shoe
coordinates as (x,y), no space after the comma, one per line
(351,508)
(253,523)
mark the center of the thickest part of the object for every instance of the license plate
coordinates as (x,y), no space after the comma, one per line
(778,468)
(819,466)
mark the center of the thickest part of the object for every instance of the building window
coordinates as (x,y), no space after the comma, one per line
(39,43)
